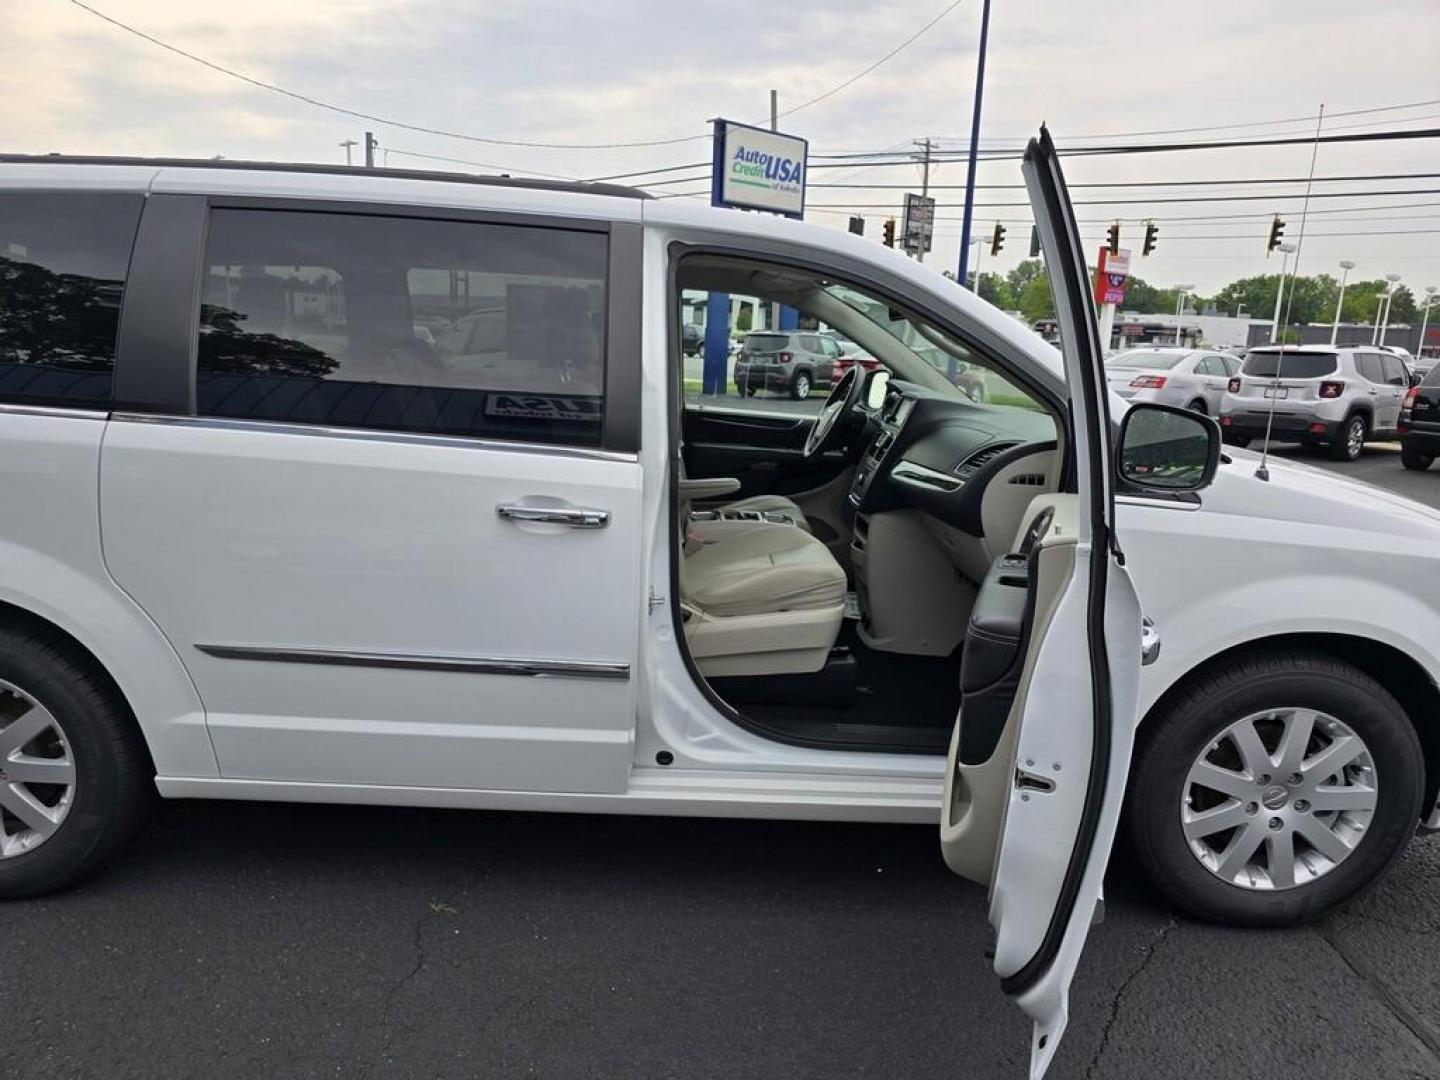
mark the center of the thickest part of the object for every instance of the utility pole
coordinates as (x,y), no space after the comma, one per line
(1285,250)
(925,145)
(370,145)
(1345,267)
(347,144)
(974,146)
(774,110)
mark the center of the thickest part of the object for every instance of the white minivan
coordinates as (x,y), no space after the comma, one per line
(263,541)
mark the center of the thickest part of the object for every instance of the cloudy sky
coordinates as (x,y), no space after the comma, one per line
(574,71)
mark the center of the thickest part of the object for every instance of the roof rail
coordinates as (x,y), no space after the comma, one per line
(582,186)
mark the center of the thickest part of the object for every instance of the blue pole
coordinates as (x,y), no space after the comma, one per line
(974,149)
(715,368)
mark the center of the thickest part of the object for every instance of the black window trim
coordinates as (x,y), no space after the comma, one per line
(155,355)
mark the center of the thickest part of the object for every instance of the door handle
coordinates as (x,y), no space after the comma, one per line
(574,517)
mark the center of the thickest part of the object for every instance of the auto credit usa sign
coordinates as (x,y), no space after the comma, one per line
(755,169)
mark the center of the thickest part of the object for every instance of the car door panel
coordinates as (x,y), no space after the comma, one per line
(1036,820)
(354,610)
(765,452)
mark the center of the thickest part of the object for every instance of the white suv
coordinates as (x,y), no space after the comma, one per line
(260,541)
(1338,398)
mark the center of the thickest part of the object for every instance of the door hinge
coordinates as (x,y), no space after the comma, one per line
(654,601)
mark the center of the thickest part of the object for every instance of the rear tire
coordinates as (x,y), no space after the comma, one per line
(111,783)
(1194,722)
(1242,441)
(1349,441)
(1199,406)
(1415,459)
(800,386)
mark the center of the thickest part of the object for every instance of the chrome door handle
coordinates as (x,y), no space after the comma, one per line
(573,516)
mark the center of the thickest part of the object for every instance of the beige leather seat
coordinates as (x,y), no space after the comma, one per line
(767,600)
(771,504)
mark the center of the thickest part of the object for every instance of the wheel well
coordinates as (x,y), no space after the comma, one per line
(23,619)
(1397,671)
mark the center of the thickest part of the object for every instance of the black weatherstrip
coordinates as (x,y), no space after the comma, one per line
(1040,156)
(623,324)
(155,353)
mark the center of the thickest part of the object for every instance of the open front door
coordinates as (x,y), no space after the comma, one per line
(1040,755)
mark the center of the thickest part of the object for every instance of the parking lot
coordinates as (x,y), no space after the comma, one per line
(247,940)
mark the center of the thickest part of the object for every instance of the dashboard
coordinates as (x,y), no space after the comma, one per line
(939,455)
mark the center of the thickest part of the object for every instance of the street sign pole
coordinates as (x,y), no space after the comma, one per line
(974,146)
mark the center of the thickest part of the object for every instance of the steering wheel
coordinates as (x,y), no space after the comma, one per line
(843,398)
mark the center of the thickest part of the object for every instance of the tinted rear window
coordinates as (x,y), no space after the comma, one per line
(1289,365)
(766,343)
(63,259)
(1152,361)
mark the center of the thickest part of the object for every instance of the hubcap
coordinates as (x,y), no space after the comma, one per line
(37,773)
(1279,799)
(1357,438)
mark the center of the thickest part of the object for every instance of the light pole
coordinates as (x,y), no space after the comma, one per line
(1394,280)
(1180,308)
(1285,250)
(1345,267)
(347,144)
(974,146)
(1379,307)
(1424,321)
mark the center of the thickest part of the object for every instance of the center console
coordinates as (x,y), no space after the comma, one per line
(892,420)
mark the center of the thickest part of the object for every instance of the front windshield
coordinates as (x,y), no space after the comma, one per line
(931,357)
(1144,358)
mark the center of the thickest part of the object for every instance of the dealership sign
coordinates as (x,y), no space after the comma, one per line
(1110,276)
(755,169)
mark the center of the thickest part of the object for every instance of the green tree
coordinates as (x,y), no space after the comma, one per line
(1034,299)
(1026,271)
(996,290)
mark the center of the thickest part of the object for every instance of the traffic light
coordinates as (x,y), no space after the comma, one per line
(997,239)
(1034,241)
(1113,233)
(857,226)
(889,232)
(1277,232)
(1151,232)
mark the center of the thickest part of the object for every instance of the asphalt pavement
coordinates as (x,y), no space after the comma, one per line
(268,941)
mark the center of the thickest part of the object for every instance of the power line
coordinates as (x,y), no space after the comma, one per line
(1152,202)
(888,56)
(477,164)
(1139,183)
(358,115)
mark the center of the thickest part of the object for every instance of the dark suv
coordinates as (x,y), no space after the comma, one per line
(1420,422)
(791,361)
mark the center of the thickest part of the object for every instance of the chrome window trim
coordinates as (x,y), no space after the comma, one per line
(474,665)
(15,408)
(280,427)
(1160,502)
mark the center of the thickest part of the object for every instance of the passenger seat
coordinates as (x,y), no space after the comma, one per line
(767,600)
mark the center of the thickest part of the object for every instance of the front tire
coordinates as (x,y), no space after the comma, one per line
(1232,830)
(800,386)
(1349,441)
(1415,459)
(75,779)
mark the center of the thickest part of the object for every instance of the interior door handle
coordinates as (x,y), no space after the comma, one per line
(574,517)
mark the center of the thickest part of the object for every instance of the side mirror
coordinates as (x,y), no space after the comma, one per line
(875,392)
(1163,448)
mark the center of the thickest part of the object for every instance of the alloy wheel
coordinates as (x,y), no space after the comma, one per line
(1279,799)
(1355,438)
(802,387)
(37,772)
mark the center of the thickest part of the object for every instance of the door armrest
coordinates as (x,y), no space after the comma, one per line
(708,487)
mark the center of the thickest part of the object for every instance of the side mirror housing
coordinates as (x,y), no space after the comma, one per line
(875,391)
(1163,448)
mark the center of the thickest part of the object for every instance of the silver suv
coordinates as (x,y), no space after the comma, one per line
(1316,394)
(793,362)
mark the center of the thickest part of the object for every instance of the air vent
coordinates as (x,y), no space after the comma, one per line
(982,457)
(1028,480)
